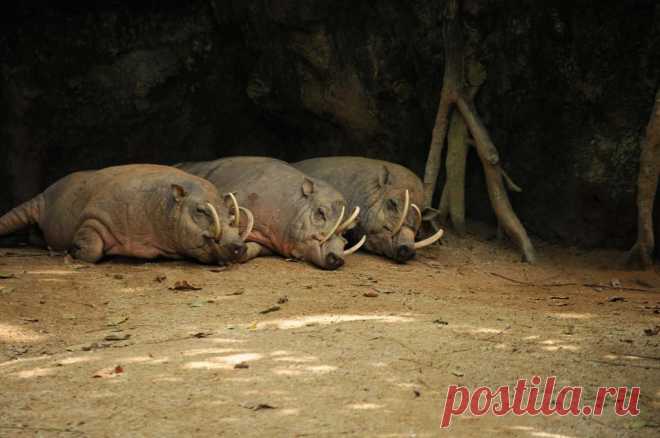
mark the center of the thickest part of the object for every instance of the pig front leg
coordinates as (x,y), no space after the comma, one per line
(254,250)
(87,245)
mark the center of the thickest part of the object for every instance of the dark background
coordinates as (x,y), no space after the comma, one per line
(570,88)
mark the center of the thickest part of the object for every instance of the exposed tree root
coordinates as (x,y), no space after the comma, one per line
(459,93)
(641,254)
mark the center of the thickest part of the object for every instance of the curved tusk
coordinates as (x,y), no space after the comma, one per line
(237,211)
(216,220)
(250,224)
(430,240)
(334,229)
(356,246)
(406,207)
(418,211)
(349,221)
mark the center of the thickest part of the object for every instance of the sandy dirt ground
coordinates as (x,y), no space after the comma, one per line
(281,349)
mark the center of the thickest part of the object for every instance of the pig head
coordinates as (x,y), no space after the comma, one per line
(294,215)
(389,197)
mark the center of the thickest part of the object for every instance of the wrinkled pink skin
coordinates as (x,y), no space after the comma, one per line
(292,211)
(378,188)
(143,211)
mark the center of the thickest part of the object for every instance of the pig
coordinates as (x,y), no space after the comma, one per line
(389,197)
(141,210)
(295,216)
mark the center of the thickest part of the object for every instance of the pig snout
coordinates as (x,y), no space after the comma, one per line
(333,261)
(404,253)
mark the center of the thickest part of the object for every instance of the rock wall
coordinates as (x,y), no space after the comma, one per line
(568,92)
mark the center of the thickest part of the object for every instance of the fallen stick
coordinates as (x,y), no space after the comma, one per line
(529,283)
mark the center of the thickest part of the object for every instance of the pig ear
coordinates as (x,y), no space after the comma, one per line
(384,177)
(307,187)
(430,214)
(178,192)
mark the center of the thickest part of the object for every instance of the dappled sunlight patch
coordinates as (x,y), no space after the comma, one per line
(201,351)
(35,372)
(300,359)
(531,338)
(501,346)
(52,272)
(611,356)
(469,329)
(243,379)
(532,431)
(77,359)
(299,370)
(223,362)
(570,315)
(10,333)
(136,359)
(225,340)
(286,324)
(321,369)
(561,347)
(23,360)
(287,372)
(365,406)
(549,342)
(287,412)
(281,353)
(549,435)
(166,379)
(378,364)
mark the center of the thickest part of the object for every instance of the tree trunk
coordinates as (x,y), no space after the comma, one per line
(642,253)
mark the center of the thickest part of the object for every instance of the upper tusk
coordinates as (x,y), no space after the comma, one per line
(332,232)
(237,211)
(216,220)
(418,211)
(250,224)
(349,221)
(356,246)
(406,207)
(430,240)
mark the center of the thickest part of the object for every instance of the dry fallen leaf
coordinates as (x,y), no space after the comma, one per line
(652,331)
(183,285)
(117,337)
(109,373)
(270,309)
(370,294)
(257,406)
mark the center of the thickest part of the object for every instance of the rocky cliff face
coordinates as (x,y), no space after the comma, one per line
(569,88)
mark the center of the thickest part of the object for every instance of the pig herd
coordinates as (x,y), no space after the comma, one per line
(232,210)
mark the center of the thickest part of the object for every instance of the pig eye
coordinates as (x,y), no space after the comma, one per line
(201,211)
(391,205)
(319,215)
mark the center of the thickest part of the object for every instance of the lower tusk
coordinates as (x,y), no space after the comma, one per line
(418,211)
(216,220)
(406,207)
(356,246)
(334,229)
(237,211)
(349,221)
(430,240)
(250,224)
